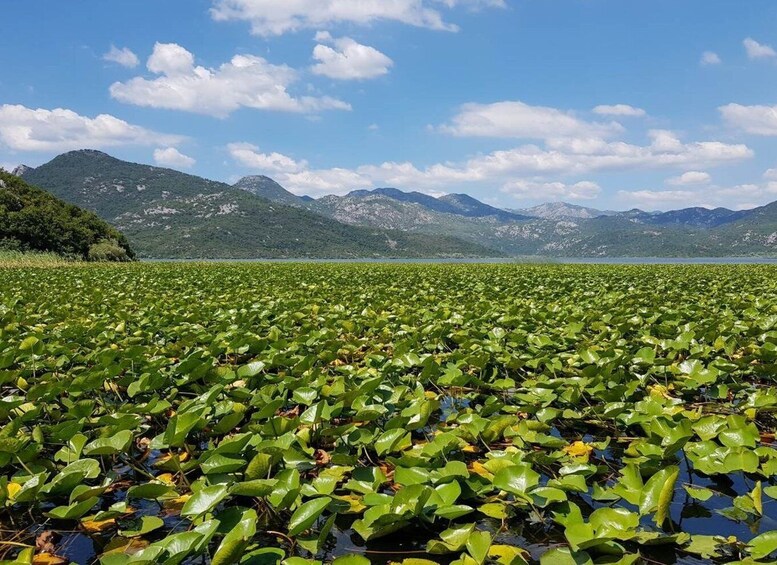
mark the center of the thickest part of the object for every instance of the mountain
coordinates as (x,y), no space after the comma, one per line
(31,219)
(20,170)
(563,211)
(168,214)
(697,217)
(267,188)
(465,205)
(560,229)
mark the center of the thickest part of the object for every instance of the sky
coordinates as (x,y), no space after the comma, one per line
(606,103)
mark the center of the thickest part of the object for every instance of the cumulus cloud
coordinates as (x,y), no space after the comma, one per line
(658,198)
(757,120)
(519,120)
(326,181)
(689,178)
(737,197)
(249,155)
(274,17)
(247,81)
(512,167)
(532,190)
(124,57)
(771,174)
(171,157)
(757,50)
(346,59)
(620,110)
(27,129)
(709,58)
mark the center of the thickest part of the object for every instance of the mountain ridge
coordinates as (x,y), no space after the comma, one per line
(169,214)
(173,214)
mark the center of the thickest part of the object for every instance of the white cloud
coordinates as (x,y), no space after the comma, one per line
(771,174)
(691,177)
(658,198)
(756,120)
(326,181)
(25,129)
(348,60)
(275,17)
(738,197)
(170,59)
(709,58)
(124,57)
(247,81)
(520,165)
(620,110)
(249,156)
(520,120)
(757,50)
(584,190)
(171,157)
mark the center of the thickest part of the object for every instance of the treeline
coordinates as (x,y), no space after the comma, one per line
(31,219)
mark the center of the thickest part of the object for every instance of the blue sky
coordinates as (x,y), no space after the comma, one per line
(614,104)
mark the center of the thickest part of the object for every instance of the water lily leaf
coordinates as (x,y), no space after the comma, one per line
(478,544)
(392,442)
(306,515)
(657,493)
(699,493)
(763,545)
(204,500)
(73,511)
(516,479)
(564,556)
(143,526)
(116,443)
(235,542)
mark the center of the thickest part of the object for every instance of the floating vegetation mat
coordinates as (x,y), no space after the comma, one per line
(468,414)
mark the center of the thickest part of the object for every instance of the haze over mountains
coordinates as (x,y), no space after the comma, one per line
(169,214)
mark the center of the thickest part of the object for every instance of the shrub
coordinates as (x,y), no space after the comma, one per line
(108,250)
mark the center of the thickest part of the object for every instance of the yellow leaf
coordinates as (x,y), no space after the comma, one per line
(659,391)
(578,449)
(172,504)
(93,527)
(479,469)
(166,478)
(470,449)
(357,507)
(125,545)
(13,489)
(49,559)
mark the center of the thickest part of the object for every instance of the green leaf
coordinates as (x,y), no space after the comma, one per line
(699,493)
(658,492)
(516,479)
(306,515)
(204,500)
(112,445)
(145,525)
(235,542)
(478,544)
(763,545)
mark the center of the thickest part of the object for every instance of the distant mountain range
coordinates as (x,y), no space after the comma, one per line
(170,214)
(551,229)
